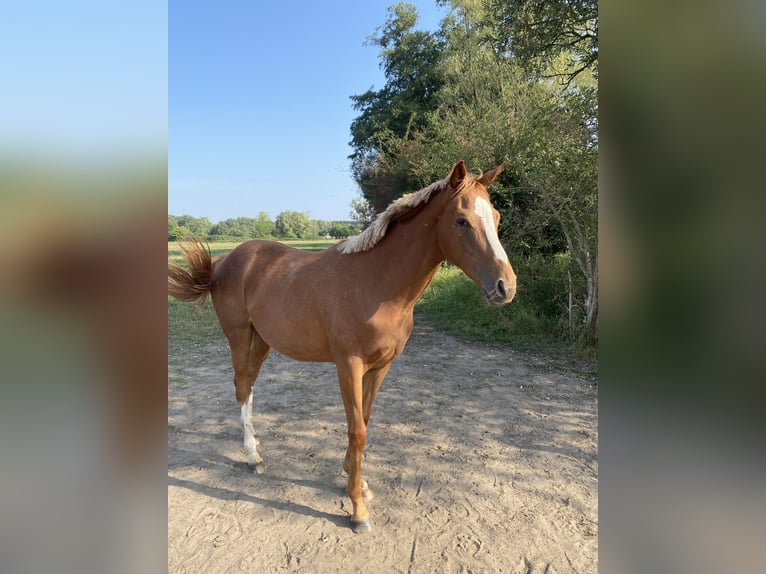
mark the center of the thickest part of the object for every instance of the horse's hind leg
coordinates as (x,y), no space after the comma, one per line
(248,351)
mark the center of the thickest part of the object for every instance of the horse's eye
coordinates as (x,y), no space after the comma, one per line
(461,222)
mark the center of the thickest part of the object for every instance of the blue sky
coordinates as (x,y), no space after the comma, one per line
(258,105)
(83,79)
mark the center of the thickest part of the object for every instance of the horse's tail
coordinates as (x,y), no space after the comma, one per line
(192,284)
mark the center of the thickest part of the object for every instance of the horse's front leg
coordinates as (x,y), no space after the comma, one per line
(370,385)
(350,379)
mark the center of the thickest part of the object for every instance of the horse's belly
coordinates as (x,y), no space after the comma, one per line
(295,337)
(304,353)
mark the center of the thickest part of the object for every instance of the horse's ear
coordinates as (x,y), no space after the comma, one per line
(457,175)
(487,179)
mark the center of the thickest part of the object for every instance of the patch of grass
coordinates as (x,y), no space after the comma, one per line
(192,326)
(532,321)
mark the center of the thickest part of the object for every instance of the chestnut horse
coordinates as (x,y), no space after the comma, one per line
(351,304)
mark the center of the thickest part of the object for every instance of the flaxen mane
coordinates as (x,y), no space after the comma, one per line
(371,236)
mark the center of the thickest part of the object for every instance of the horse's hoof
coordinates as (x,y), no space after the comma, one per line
(361,526)
(257,467)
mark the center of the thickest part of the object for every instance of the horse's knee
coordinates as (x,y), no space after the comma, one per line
(357,439)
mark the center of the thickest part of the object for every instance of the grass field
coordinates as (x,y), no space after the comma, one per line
(174,251)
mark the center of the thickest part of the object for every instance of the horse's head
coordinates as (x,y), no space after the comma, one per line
(467,232)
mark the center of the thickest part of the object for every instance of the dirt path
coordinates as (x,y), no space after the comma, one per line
(481,460)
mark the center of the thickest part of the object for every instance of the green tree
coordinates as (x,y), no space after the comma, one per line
(263,227)
(499,97)
(229,228)
(340,231)
(559,155)
(197,226)
(362,211)
(538,33)
(499,106)
(292,225)
(410,60)
(186,225)
(172,228)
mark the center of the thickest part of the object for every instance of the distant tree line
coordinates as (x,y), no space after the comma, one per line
(287,225)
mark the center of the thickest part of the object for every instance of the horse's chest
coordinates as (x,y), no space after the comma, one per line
(389,334)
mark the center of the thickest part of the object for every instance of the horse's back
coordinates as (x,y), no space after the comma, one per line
(268,257)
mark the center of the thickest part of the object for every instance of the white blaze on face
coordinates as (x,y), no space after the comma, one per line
(483,209)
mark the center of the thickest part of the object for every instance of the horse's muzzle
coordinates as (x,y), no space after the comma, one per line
(500,294)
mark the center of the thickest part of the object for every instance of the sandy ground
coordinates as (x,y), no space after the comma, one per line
(481,459)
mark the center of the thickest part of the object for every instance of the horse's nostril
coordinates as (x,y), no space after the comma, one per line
(501,288)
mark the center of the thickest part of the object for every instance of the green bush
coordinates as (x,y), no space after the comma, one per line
(537,317)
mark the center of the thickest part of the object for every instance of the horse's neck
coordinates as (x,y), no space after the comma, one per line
(412,254)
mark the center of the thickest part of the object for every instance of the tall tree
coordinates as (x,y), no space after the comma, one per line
(263,226)
(537,33)
(292,225)
(410,60)
(558,152)
(512,86)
